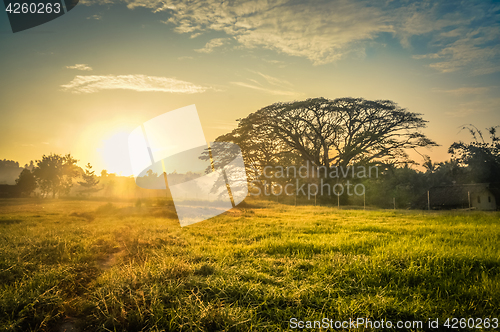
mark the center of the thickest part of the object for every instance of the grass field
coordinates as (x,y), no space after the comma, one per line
(96,266)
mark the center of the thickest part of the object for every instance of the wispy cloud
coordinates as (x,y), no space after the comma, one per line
(32,145)
(94,83)
(194,35)
(95,17)
(475,107)
(273,80)
(466,91)
(422,18)
(211,45)
(80,66)
(277,63)
(463,36)
(478,49)
(254,81)
(464,111)
(270,91)
(225,125)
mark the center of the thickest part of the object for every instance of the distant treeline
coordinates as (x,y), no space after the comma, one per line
(58,176)
(321,133)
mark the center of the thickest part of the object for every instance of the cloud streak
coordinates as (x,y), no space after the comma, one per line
(211,45)
(466,91)
(141,83)
(478,49)
(488,105)
(80,66)
(270,91)
(273,80)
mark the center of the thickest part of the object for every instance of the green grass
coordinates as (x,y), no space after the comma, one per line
(92,266)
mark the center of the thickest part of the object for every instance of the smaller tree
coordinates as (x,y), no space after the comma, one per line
(31,166)
(90,180)
(481,157)
(430,167)
(55,173)
(26,182)
(108,181)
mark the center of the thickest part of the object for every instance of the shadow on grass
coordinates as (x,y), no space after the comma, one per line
(10,221)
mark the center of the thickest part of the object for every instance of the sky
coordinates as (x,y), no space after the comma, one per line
(81,83)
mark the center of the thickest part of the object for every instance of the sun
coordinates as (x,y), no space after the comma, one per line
(114,153)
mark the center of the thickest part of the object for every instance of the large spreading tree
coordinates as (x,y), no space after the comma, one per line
(329,133)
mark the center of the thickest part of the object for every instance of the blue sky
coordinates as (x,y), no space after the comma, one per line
(81,82)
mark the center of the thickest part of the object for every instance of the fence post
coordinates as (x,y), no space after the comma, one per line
(428,201)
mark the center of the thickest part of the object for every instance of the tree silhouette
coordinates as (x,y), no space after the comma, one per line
(55,173)
(481,157)
(9,171)
(90,180)
(329,133)
(26,182)
(108,181)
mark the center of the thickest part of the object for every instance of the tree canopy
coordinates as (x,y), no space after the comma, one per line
(55,173)
(26,182)
(90,181)
(329,133)
(482,157)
